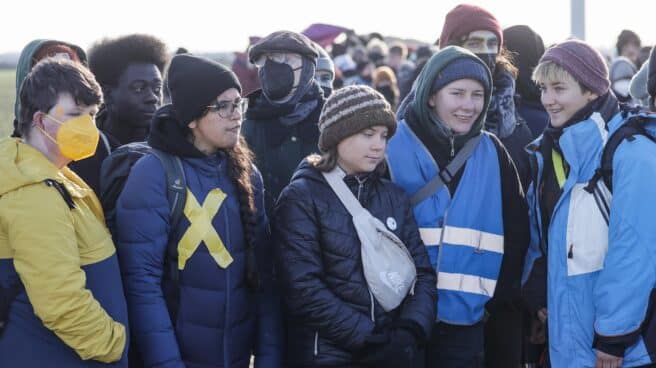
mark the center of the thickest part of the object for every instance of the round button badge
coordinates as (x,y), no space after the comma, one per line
(391,223)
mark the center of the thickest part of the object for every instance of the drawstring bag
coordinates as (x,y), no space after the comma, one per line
(388,266)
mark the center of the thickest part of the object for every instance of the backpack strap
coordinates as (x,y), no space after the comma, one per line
(445,176)
(105,141)
(634,126)
(176,184)
(176,192)
(62,191)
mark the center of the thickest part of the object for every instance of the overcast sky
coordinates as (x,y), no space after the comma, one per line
(225,25)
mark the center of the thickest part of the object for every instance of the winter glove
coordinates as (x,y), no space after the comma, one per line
(400,350)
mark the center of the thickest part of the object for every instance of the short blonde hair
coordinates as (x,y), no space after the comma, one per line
(550,72)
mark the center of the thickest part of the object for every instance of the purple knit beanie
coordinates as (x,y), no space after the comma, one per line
(583,62)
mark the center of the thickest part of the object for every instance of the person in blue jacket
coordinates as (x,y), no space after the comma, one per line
(476,226)
(212,304)
(600,271)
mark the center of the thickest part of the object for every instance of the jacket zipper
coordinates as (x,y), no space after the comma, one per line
(453,146)
(373,311)
(316,343)
(360,186)
(439,252)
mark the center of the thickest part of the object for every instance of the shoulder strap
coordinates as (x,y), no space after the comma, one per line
(633,127)
(176,192)
(62,191)
(105,141)
(176,187)
(446,175)
(336,182)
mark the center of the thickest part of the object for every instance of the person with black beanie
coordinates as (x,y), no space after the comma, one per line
(526,48)
(213,302)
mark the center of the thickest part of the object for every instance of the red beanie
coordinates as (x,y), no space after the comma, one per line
(466,18)
(56,48)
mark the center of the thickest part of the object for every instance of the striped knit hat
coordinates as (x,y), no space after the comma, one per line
(350,110)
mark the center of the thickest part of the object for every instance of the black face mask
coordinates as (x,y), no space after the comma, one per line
(490,60)
(388,93)
(277,80)
(327,91)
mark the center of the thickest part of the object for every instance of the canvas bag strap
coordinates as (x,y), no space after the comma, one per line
(335,179)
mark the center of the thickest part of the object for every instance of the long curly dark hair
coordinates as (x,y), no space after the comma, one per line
(241,171)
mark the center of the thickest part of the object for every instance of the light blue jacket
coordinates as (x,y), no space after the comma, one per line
(600,277)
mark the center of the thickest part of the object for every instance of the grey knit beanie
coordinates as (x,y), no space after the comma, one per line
(350,110)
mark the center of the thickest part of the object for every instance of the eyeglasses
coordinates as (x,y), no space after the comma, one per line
(226,109)
(278,57)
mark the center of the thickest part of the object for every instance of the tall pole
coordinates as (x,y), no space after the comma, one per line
(578,19)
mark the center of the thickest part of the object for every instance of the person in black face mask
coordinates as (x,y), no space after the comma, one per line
(477,30)
(280,124)
(384,81)
(325,73)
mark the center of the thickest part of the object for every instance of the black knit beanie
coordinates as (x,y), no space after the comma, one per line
(195,82)
(350,110)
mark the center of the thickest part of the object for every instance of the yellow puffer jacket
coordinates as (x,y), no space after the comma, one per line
(72,310)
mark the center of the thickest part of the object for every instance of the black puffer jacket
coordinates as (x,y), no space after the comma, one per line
(329,307)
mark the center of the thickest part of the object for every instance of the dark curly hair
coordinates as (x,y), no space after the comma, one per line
(108,58)
(241,171)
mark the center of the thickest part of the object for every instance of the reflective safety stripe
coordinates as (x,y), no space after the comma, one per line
(467,283)
(202,230)
(430,235)
(480,240)
(559,167)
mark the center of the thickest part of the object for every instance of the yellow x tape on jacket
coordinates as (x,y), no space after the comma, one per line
(201,229)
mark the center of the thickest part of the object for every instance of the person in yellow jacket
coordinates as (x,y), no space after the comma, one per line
(61,296)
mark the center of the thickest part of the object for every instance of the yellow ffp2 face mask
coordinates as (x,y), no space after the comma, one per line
(77,138)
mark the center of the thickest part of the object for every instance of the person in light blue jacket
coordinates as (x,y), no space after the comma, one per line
(599,290)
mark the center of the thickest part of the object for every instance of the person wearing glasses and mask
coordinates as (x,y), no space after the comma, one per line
(281,121)
(211,304)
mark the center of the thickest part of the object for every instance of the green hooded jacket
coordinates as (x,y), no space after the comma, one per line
(417,101)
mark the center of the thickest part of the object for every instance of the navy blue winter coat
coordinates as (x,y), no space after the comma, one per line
(219,321)
(329,310)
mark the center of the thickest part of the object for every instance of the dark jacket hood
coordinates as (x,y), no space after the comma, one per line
(168,135)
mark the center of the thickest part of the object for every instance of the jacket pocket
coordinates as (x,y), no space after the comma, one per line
(587,233)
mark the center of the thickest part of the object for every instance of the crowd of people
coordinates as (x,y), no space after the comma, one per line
(334,202)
